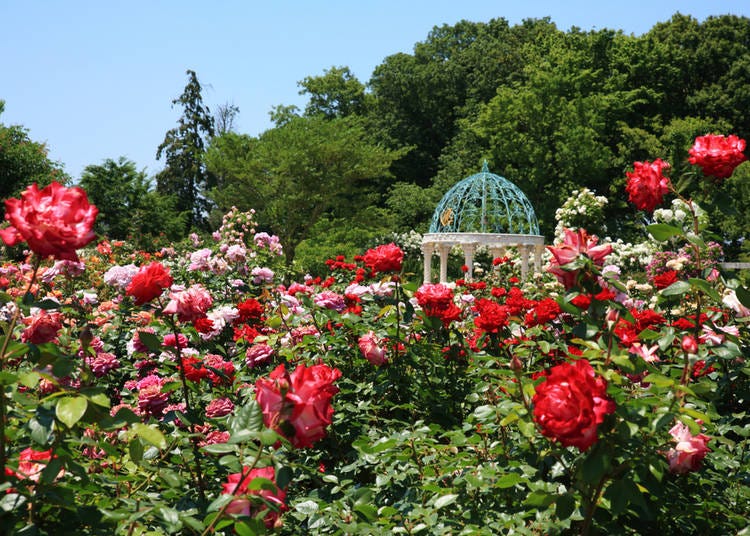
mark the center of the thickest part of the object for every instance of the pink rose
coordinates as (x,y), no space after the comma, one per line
(54,221)
(190,304)
(574,244)
(370,347)
(689,452)
(238,486)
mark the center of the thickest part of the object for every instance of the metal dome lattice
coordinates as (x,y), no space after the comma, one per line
(485,203)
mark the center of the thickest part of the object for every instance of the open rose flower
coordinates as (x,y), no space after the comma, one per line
(717,155)
(384,258)
(238,486)
(29,466)
(688,453)
(372,349)
(54,221)
(190,304)
(647,184)
(574,244)
(298,405)
(570,403)
(148,283)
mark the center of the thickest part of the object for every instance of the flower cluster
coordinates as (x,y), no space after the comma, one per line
(582,209)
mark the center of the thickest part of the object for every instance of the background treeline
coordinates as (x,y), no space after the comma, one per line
(550,110)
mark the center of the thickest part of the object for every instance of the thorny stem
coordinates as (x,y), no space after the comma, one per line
(188,409)
(3,350)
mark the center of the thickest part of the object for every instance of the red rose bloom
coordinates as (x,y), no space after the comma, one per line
(665,279)
(647,184)
(55,221)
(570,403)
(492,316)
(718,155)
(298,406)
(384,258)
(436,300)
(149,283)
(250,310)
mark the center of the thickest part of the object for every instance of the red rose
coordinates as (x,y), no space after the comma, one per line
(29,466)
(544,311)
(436,300)
(384,258)
(570,403)
(492,315)
(42,328)
(298,406)
(55,221)
(239,487)
(582,301)
(718,155)
(647,184)
(149,283)
(665,279)
(249,310)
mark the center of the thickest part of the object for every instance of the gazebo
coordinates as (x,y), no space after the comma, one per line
(482,210)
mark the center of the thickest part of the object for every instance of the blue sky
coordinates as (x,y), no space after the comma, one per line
(95,80)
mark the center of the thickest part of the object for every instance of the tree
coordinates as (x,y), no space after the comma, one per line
(23,162)
(225,116)
(336,93)
(128,206)
(295,174)
(185,175)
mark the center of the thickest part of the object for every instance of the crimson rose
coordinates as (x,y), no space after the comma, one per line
(717,155)
(570,403)
(647,184)
(55,221)
(149,283)
(384,258)
(298,405)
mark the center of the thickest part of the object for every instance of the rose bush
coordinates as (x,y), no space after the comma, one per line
(581,400)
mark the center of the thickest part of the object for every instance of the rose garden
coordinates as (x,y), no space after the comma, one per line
(206,389)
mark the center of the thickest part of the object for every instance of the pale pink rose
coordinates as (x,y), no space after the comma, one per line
(330,300)
(370,347)
(647,353)
(690,450)
(190,304)
(199,260)
(261,275)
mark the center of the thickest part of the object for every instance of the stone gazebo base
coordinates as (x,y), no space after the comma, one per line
(441,243)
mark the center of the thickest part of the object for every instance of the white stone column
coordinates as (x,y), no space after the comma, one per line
(427,251)
(444,250)
(523,252)
(538,250)
(469,250)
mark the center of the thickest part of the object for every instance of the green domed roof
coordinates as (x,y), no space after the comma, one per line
(485,203)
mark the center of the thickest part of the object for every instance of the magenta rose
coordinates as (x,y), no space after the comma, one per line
(574,244)
(570,403)
(190,304)
(55,221)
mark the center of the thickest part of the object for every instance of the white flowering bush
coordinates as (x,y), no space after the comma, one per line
(583,209)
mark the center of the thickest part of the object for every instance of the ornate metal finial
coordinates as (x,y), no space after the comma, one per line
(485,169)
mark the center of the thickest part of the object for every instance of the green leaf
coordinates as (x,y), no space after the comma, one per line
(743,295)
(47,304)
(218,448)
(8,378)
(150,434)
(70,409)
(445,500)
(539,499)
(508,480)
(677,288)
(565,505)
(306,507)
(150,341)
(663,232)
(706,287)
